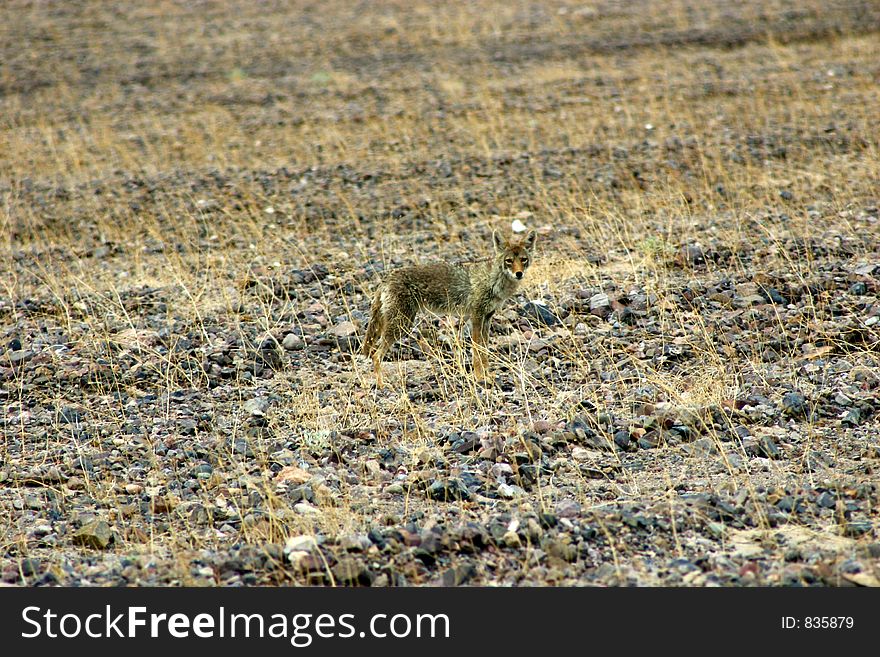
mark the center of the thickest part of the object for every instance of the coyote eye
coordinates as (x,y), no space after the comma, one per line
(509,262)
(525,261)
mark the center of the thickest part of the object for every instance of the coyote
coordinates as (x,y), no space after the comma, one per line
(474,293)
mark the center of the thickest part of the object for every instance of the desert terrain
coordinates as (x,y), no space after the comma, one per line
(199,199)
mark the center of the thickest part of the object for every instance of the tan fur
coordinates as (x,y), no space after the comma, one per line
(471,292)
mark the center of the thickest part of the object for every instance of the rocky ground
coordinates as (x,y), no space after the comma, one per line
(198,202)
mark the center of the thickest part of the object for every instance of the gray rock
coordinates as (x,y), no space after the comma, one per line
(794,404)
(717,529)
(292,342)
(537,309)
(19,356)
(29,566)
(858,527)
(623,440)
(257,406)
(70,415)
(852,417)
(458,575)
(826,500)
(701,447)
(774,296)
(763,447)
(447,490)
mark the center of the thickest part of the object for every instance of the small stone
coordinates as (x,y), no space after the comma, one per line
(19,356)
(858,527)
(541,426)
(509,492)
(716,529)
(306,509)
(352,571)
(537,309)
(690,255)
(344,330)
(794,404)
(852,417)
(292,474)
(292,342)
(600,305)
(623,439)
(303,543)
(96,534)
(257,406)
(511,539)
(447,490)
(70,415)
(568,509)
(458,575)
(29,566)
(826,500)
(354,542)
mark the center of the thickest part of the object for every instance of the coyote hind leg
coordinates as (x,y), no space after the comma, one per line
(394,328)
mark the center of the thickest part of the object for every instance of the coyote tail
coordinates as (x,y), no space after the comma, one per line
(374,328)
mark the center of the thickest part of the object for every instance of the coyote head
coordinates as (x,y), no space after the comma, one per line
(514,254)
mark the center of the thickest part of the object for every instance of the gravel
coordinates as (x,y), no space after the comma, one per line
(683,393)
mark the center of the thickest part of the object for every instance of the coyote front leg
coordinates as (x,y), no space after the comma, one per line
(480,335)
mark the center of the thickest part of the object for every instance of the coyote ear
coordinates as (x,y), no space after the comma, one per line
(531,238)
(497,241)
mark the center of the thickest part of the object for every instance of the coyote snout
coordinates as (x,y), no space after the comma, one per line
(475,293)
